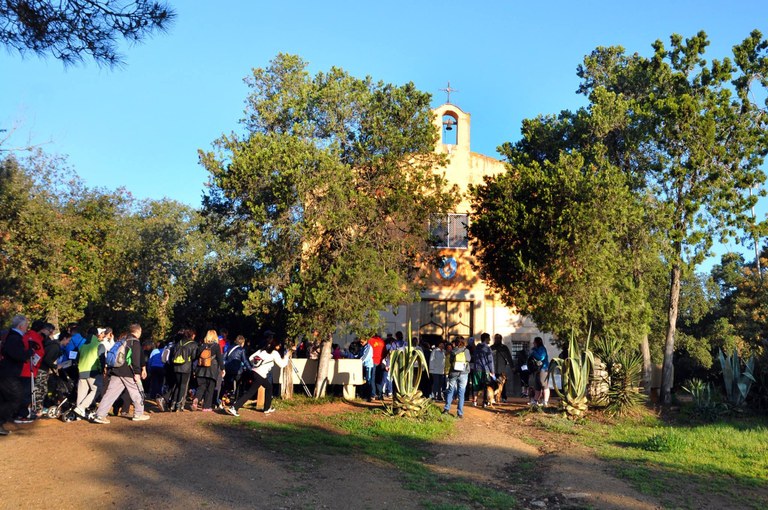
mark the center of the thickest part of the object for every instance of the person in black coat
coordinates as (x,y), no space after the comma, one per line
(14,355)
(209,367)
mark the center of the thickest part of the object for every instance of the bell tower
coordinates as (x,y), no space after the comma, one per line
(453,124)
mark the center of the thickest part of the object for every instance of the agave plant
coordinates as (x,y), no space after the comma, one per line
(737,383)
(705,401)
(575,371)
(406,368)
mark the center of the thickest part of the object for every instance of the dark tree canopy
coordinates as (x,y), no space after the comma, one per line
(71,30)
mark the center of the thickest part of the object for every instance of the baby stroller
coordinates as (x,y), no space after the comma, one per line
(62,395)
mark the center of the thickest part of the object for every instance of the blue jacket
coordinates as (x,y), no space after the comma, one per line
(484,358)
(367,356)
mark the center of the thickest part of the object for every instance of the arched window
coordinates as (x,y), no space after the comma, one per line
(450,134)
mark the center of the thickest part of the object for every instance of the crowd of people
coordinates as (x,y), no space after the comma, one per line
(88,374)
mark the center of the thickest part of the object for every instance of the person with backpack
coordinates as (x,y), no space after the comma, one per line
(538,364)
(210,366)
(262,362)
(184,352)
(124,366)
(458,375)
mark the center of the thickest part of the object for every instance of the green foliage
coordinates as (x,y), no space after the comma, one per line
(332,187)
(575,371)
(74,254)
(737,383)
(75,29)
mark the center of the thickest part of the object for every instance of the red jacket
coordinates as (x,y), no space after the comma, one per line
(377,348)
(37,339)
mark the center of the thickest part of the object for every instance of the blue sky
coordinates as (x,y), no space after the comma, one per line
(139,126)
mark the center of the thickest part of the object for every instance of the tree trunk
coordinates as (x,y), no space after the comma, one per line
(321,384)
(645,350)
(286,389)
(667,373)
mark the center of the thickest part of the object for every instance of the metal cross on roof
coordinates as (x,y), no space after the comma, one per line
(448,91)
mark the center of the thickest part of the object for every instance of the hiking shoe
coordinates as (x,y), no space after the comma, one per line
(100,419)
(232,411)
(141,417)
(270,410)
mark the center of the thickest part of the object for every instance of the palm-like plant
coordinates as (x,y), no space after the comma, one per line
(406,368)
(575,371)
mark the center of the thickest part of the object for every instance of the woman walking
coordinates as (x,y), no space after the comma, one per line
(262,362)
(209,367)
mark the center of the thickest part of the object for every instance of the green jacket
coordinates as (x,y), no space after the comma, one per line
(88,361)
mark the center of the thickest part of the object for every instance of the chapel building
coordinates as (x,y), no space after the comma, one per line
(455,301)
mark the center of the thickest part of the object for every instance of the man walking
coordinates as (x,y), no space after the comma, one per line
(484,370)
(126,377)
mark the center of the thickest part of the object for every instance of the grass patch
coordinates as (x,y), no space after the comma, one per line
(399,442)
(728,458)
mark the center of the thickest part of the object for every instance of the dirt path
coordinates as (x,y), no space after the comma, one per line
(181,461)
(501,448)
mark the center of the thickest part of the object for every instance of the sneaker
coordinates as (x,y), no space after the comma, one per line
(445,411)
(460,416)
(22,421)
(232,411)
(4,431)
(209,410)
(125,414)
(160,402)
(193,407)
(79,412)
(141,417)
(101,420)
(270,410)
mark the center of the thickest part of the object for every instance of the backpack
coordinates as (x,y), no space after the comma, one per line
(534,365)
(165,356)
(181,355)
(459,361)
(118,354)
(206,357)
